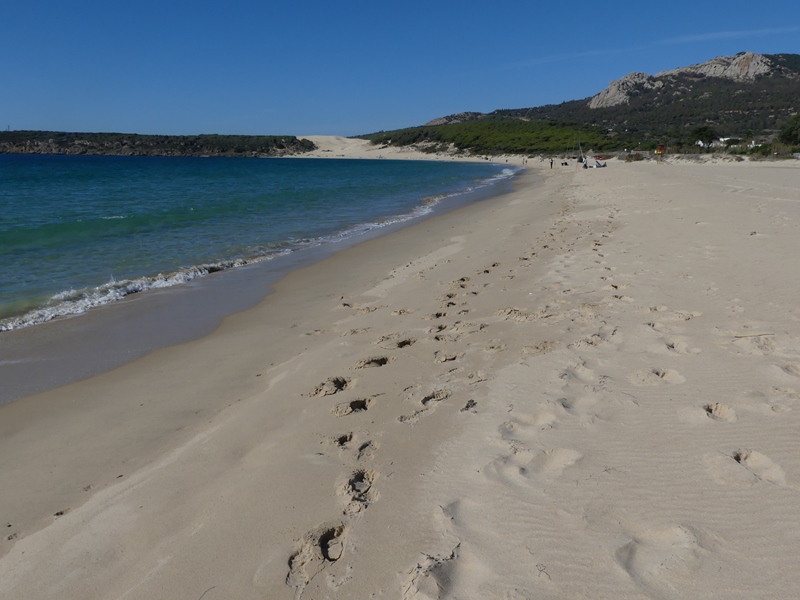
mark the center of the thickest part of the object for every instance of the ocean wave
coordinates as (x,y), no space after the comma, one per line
(76,302)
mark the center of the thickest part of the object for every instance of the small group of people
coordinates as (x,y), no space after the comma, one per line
(563,163)
(585,161)
(597,164)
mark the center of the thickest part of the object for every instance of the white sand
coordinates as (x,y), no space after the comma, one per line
(340,147)
(589,388)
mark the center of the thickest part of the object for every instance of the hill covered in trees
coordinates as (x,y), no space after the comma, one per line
(753,94)
(500,136)
(747,96)
(123,144)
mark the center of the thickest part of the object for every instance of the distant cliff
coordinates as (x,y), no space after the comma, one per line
(120,144)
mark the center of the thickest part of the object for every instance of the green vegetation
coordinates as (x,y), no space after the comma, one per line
(705,134)
(53,142)
(501,136)
(684,103)
(670,108)
(788,61)
(790,134)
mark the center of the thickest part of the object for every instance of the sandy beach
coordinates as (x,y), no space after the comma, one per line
(587,388)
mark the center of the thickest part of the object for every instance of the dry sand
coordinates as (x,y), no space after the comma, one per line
(589,388)
(341,147)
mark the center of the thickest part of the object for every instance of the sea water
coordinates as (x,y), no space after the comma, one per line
(83,231)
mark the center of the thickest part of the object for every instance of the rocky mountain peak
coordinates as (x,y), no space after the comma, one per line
(457,118)
(619,91)
(741,67)
(744,67)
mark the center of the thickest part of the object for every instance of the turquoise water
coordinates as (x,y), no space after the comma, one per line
(82,231)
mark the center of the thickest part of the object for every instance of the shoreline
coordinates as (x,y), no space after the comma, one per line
(79,410)
(590,385)
(108,335)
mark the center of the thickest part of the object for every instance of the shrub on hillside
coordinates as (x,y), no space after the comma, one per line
(790,134)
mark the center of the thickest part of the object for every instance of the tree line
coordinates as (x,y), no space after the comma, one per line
(124,144)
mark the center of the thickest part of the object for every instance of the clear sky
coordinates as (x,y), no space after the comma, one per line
(345,67)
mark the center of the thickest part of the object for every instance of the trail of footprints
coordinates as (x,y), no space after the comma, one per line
(359,487)
(583,396)
(654,555)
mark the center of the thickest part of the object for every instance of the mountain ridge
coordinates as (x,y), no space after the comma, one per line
(744,92)
(742,67)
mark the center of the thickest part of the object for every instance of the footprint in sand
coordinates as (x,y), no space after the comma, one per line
(653,377)
(369,309)
(332,386)
(446,337)
(434,397)
(578,372)
(578,406)
(656,326)
(523,464)
(613,287)
(686,315)
(354,406)
(515,314)
(551,462)
(604,335)
(428,402)
(761,466)
(436,315)
(470,407)
(757,345)
(324,545)
(317,332)
(664,562)
(468,328)
(357,491)
(744,468)
(431,578)
(441,357)
(792,369)
(495,346)
(720,412)
(526,427)
(679,347)
(540,348)
(357,331)
(342,441)
(374,361)
(395,340)
(366,450)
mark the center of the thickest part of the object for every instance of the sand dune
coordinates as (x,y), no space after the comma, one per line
(330,146)
(588,388)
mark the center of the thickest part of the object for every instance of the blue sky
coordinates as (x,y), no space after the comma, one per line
(347,67)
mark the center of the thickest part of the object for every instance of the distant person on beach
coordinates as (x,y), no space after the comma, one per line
(551,163)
